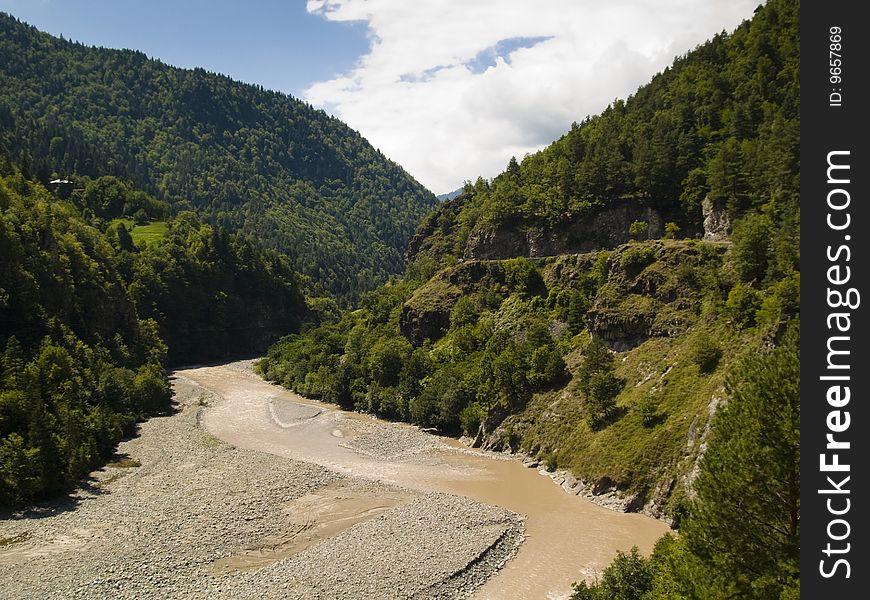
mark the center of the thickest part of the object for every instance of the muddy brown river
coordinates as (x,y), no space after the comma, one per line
(567,537)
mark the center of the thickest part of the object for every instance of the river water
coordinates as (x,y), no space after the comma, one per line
(567,537)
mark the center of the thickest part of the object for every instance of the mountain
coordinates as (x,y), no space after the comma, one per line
(252,161)
(622,309)
(92,309)
(587,305)
(450,195)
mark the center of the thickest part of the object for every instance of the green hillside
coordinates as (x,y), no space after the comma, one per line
(611,307)
(249,160)
(600,236)
(89,320)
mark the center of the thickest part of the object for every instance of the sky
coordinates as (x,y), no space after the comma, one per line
(449,89)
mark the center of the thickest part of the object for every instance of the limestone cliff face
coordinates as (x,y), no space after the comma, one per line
(717,224)
(607,228)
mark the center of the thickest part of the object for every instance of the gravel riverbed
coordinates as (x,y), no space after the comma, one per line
(180,503)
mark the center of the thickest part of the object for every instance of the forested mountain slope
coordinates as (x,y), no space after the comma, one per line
(622,308)
(249,160)
(720,124)
(91,312)
(570,308)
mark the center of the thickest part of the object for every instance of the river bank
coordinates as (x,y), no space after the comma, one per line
(567,537)
(183,514)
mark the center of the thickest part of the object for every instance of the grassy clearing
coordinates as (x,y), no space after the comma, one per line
(144,234)
(148,234)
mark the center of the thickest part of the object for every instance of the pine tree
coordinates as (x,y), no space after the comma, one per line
(744,525)
(597,381)
(576,310)
(12,364)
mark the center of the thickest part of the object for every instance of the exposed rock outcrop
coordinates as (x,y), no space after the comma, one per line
(717,224)
(649,292)
(605,228)
(426,314)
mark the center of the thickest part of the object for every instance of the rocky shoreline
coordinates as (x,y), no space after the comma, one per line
(178,501)
(602,495)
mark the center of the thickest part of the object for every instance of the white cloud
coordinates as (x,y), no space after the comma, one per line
(451,89)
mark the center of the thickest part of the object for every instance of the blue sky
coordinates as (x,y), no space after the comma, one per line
(276,43)
(449,89)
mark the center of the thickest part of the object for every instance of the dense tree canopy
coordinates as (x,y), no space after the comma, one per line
(248,160)
(497,353)
(86,315)
(79,366)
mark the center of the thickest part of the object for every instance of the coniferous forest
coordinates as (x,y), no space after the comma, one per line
(251,161)
(90,320)
(622,305)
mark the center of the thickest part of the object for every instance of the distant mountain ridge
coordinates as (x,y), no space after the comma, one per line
(253,161)
(450,195)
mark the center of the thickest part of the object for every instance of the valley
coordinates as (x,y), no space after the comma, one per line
(250,490)
(620,309)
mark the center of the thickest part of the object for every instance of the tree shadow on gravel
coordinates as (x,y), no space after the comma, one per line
(90,487)
(85,490)
(53,507)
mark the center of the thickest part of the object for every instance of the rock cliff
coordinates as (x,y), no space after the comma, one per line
(606,228)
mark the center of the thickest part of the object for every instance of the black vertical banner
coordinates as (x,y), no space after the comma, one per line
(835,370)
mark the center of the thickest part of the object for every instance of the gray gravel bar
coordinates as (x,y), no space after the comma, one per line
(180,501)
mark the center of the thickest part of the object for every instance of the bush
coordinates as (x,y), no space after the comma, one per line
(634,259)
(386,402)
(441,400)
(597,381)
(386,359)
(470,418)
(524,278)
(751,250)
(706,353)
(667,564)
(546,366)
(781,303)
(742,304)
(511,438)
(629,577)
(638,230)
(601,398)
(464,312)
(151,390)
(551,461)
(647,409)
